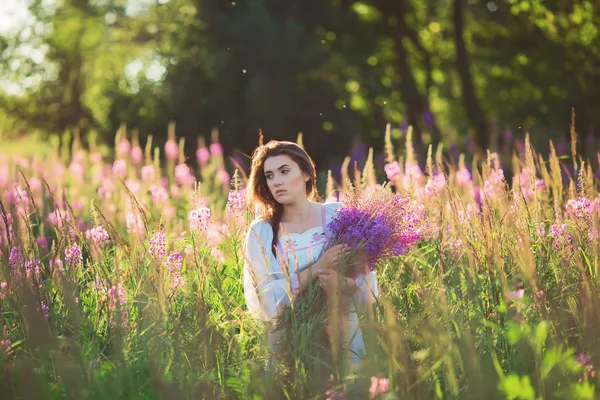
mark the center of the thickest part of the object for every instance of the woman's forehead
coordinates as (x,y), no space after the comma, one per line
(275,162)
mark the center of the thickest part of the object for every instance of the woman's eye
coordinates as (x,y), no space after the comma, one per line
(285,171)
(269,176)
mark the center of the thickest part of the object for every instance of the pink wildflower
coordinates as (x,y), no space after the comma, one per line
(119,168)
(379,386)
(216,149)
(199,219)
(202,156)
(171,150)
(137,155)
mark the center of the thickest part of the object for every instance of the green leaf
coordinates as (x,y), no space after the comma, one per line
(516,387)
(541,333)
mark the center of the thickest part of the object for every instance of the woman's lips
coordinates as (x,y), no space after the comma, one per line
(279,192)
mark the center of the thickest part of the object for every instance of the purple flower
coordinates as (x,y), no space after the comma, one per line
(199,219)
(183,175)
(580,208)
(235,202)
(380,225)
(73,256)
(158,245)
(42,243)
(15,259)
(202,156)
(216,149)
(379,386)
(171,149)
(174,262)
(32,268)
(560,235)
(463,177)
(3,290)
(98,235)
(392,171)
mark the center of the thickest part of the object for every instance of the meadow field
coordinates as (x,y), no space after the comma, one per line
(121,278)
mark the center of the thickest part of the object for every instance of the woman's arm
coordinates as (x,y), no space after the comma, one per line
(325,262)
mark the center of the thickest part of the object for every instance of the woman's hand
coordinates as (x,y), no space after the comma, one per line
(337,287)
(332,255)
(329,280)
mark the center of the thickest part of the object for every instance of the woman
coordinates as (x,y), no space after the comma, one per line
(285,245)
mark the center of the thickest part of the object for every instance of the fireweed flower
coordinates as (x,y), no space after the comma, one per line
(560,235)
(235,202)
(137,155)
(463,177)
(392,171)
(579,209)
(158,245)
(223,177)
(58,216)
(43,307)
(493,185)
(134,221)
(540,229)
(202,156)
(412,175)
(119,168)
(174,263)
(32,269)
(148,173)
(124,147)
(15,260)
(381,225)
(216,149)
(199,219)
(171,149)
(117,300)
(378,386)
(73,256)
(435,185)
(56,265)
(77,171)
(98,235)
(586,362)
(159,194)
(3,290)
(42,243)
(183,175)
(523,185)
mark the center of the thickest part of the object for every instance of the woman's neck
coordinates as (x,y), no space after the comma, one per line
(297,212)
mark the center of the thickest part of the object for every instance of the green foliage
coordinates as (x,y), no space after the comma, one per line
(333,69)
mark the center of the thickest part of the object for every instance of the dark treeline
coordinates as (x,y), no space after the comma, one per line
(465,72)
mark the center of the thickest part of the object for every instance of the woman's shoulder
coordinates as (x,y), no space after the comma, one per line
(331,207)
(260,227)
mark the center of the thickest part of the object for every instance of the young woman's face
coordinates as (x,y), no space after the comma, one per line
(286,181)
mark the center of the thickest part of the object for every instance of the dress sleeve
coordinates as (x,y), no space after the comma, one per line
(330,212)
(267,288)
(366,289)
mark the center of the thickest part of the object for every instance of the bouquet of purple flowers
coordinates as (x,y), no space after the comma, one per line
(377,225)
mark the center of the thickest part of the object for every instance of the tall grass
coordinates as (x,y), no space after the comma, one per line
(500,301)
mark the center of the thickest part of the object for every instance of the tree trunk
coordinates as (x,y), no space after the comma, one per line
(475,114)
(417,104)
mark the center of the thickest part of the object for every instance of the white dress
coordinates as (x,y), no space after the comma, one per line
(269,283)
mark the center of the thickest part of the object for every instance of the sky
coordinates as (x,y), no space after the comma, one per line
(14,15)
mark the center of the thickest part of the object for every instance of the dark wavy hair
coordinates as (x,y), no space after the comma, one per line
(258,193)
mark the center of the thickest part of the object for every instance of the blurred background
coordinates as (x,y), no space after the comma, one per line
(472,74)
